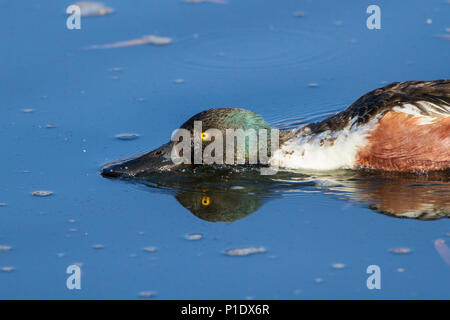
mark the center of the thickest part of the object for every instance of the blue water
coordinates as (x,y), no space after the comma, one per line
(252,54)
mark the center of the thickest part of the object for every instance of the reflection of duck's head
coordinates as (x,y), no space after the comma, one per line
(207,131)
(224,206)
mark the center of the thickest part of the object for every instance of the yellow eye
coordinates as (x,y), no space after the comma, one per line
(206,201)
(204,135)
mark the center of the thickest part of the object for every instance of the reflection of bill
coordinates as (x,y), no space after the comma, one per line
(443,250)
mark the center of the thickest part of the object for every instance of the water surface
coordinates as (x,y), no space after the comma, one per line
(251,54)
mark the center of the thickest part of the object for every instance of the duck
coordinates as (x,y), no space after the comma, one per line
(401,127)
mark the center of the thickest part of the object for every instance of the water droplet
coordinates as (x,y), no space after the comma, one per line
(42,193)
(401,250)
(318,280)
(242,252)
(89,8)
(7,269)
(194,236)
(5,248)
(127,136)
(147,294)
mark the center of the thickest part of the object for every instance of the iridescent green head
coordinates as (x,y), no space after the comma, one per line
(231,135)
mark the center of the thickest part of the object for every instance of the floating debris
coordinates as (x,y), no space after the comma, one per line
(133,255)
(116,69)
(149,39)
(445,37)
(447,234)
(5,248)
(28,110)
(339,22)
(91,9)
(206,1)
(60,254)
(147,294)
(195,35)
(71,220)
(429,21)
(400,270)
(98,246)
(338,266)
(7,269)
(179,81)
(127,136)
(318,280)
(150,249)
(73,230)
(2,204)
(50,126)
(297,291)
(313,85)
(42,193)
(237,188)
(242,252)
(194,236)
(299,14)
(401,250)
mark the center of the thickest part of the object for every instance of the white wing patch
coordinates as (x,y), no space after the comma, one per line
(325,151)
(428,113)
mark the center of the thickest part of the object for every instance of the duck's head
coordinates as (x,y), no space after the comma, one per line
(214,122)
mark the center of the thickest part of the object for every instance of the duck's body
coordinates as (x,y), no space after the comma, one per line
(403,126)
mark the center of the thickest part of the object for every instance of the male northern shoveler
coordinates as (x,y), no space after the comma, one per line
(404,126)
